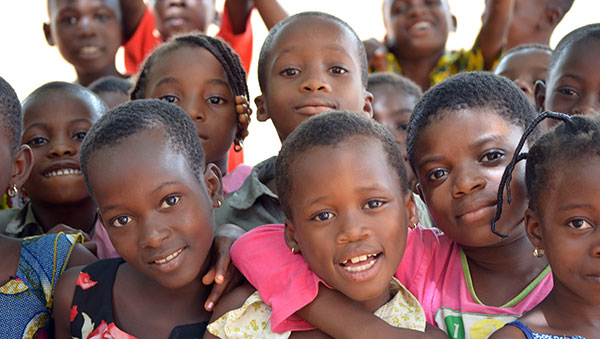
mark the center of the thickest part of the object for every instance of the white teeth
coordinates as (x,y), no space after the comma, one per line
(359,258)
(169,257)
(89,49)
(421,25)
(361,267)
(63,171)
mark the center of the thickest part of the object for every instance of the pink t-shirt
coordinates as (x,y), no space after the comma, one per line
(104,246)
(432,270)
(234,179)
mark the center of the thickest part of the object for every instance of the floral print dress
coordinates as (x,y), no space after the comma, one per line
(92,310)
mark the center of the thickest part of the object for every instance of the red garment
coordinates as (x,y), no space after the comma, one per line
(145,39)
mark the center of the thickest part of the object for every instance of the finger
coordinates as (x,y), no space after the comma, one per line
(209,277)
(222,265)
(215,295)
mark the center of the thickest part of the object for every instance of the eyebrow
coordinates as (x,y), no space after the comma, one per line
(44,124)
(576,206)
(158,188)
(171,80)
(335,47)
(427,160)
(571,76)
(363,189)
(484,140)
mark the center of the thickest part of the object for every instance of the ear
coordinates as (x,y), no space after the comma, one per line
(419,191)
(411,209)
(453,23)
(550,18)
(48,34)
(290,235)
(540,95)
(21,167)
(101,218)
(533,228)
(368,103)
(261,108)
(214,186)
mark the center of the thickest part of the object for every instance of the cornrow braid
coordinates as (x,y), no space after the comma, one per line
(227,57)
(518,156)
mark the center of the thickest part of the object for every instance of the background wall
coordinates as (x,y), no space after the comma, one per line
(26,60)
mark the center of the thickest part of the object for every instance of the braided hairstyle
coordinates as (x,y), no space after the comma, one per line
(577,138)
(227,57)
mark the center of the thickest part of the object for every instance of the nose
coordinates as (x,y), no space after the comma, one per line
(467,181)
(525,86)
(194,109)
(152,234)
(62,146)
(415,8)
(353,228)
(315,82)
(176,2)
(86,26)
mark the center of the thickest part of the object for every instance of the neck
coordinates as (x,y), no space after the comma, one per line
(221,163)
(565,309)
(86,78)
(418,68)
(80,215)
(375,303)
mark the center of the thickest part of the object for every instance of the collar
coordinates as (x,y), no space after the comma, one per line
(24,223)
(255,186)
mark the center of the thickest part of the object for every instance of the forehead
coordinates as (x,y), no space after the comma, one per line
(55,6)
(580,58)
(182,62)
(58,104)
(312,32)
(524,59)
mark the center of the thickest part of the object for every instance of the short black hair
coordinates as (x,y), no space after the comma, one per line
(524,47)
(400,84)
(330,129)
(265,51)
(97,105)
(469,90)
(11,117)
(581,34)
(109,84)
(136,116)
(227,57)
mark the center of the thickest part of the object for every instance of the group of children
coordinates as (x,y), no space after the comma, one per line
(397,213)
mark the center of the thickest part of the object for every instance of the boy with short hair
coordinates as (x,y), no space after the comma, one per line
(416,35)
(310,63)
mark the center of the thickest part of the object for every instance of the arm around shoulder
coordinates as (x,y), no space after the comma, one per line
(63,299)
(230,301)
(80,256)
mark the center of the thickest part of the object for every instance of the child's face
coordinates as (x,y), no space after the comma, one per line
(193,79)
(176,17)
(87,32)
(360,214)
(417,28)
(54,127)
(566,227)
(158,215)
(459,162)
(524,68)
(573,85)
(313,67)
(392,109)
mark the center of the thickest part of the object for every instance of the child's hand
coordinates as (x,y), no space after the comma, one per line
(88,243)
(376,55)
(224,275)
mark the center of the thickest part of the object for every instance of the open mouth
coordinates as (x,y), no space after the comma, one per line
(360,263)
(168,257)
(62,172)
(89,50)
(420,27)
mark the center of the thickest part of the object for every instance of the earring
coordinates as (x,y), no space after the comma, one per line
(412,226)
(538,252)
(219,203)
(12,191)
(293,250)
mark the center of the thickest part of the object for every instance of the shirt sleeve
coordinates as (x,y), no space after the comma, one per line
(142,42)
(241,43)
(283,280)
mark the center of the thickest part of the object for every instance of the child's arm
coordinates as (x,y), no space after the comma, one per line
(493,30)
(239,11)
(270,11)
(230,301)
(132,12)
(63,298)
(508,332)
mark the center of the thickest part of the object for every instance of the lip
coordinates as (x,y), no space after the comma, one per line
(420,26)
(475,211)
(311,107)
(61,166)
(168,260)
(593,277)
(90,50)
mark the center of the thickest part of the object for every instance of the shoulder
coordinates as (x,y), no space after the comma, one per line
(232,300)
(508,332)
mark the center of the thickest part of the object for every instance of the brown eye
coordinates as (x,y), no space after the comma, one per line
(170,201)
(121,221)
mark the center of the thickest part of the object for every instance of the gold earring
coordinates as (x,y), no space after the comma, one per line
(293,250)
(538,252)
(12,191)
(219,203)
(412,226)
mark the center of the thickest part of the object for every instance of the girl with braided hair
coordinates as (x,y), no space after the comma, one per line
(562,224)
(204,77)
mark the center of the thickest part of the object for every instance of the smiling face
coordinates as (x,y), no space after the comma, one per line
(193,79)
(567,228)
(158,215)
(459,163)
(87,32)
(313,66)
(524,68)
(55,123)
(573,85)
(350,227)
(417,28)
(176,17)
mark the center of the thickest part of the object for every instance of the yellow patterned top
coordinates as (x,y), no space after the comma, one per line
(449,64)
(252,319)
